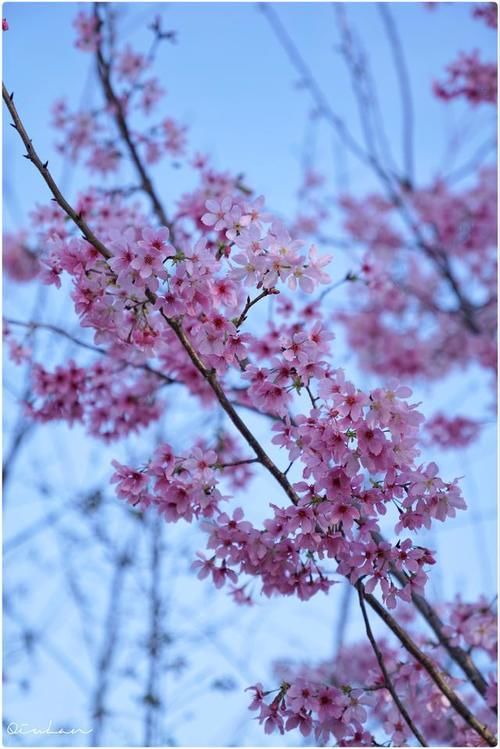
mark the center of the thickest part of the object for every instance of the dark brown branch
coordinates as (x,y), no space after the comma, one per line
(404,638)
(238,463)
(434,672)
(116,108)
(458,654)
(249,304)
(387,679)
(210,376)
(32,155)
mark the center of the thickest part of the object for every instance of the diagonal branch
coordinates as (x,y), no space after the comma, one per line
(461,657)
(404,87)
(116,107)
(210,376)
(32,156)
(433,671)
(387,679)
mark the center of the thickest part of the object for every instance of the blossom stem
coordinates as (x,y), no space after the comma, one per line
(250,304)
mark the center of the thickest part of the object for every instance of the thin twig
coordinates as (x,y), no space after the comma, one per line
(436,253)
(116,108)
(90,347)
(404,88)
(238,463)
(433,671)
(153,700)
(42,167)
(309,81)
(249,304)
(110,639)
(387,679)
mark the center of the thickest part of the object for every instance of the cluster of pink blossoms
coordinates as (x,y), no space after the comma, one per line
(91,133)
(472,626)
(357,450)
(413,311)
(448,433)
(108,402)
(19,261)
(339,700)
(357,453)
(19,352)
(395,321)
(488,12)
(470,78)
(422,300)
(86,27)
(201,279)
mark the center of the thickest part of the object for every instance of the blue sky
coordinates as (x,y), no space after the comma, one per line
(230,82)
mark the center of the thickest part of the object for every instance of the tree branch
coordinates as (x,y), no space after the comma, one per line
(308,79)
(387,679)
(90,347)
(211,378)
(32,156)
(116,108)
(433,671)
(405,90)
(458,654)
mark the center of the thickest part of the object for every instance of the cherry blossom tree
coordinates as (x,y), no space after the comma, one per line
(172,294)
